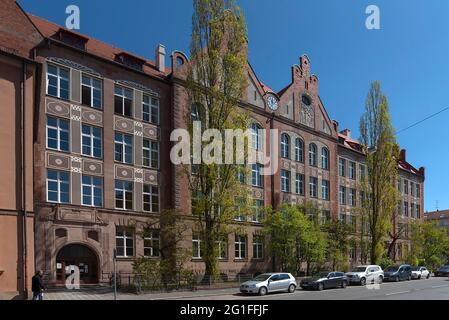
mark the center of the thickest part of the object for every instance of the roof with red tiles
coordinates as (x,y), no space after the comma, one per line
(93,46)
(437,215)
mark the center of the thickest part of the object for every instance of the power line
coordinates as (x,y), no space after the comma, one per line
(420,121)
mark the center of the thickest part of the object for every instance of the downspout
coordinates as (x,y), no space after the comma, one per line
(23,182)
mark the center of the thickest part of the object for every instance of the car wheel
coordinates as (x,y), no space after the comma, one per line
(291,288)
(320,287)
(409,278)
(428,276)
(262,291)
(362,281)
(380,280)
(419,277)
(396,279)
(344,284)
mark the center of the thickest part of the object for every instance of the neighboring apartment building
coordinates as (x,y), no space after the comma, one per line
(102,169)
(440,217)
(18,84)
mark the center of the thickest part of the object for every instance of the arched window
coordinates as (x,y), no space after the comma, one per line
(312,155)
(285,146)
(256,136)
(325,158)
(299,150)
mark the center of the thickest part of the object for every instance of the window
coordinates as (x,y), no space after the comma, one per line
(352,222)
(150,154)
(239,204)
(92,191)
(150,109)
(240,247)
(91,92)
(256,137)
(257,247)
(58,82)
(342,167)
(325,189)
(312,155)
(325,158)
(406,208)
(123,195)
(223,248)
(351,170)
(299,184)
(352,197)
(418,211)
(299,150)
(342,217)
(256,175)
(123,100)
(405,186)
(362,171)
(197,246)
(258,211)
(412,189)
(285,146)
(150,198)
(285,181)
(124,242)
(325,216)
(151,243)
(362,198)
(58,134)
(123,148)
(58,186)
(313,187)
(91,138)
(399,185)
(342,195)
(418,190)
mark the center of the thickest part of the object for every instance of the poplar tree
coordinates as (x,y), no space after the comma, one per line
(381,149)
(216,83)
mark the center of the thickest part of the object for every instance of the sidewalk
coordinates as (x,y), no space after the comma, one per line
(102,294)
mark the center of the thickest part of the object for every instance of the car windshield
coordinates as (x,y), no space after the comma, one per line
(445,268)
(392,268)
(261,277)
(359,269)
(416,268)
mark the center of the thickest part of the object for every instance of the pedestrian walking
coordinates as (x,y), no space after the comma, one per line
(37,286)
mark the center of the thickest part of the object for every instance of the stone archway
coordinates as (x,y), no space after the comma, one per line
(81,256)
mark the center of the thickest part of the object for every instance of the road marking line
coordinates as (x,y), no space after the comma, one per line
(390,294)
(444,285)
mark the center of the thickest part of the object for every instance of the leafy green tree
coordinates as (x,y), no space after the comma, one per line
(338,244)
(216,82)
(381,149)
(295,239)
(429,245)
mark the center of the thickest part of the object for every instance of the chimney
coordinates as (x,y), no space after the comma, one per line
(346,133)
(422,171)
(335,123)
(403,155)
(160,58)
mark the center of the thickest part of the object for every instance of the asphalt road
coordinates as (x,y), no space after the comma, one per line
(424,289)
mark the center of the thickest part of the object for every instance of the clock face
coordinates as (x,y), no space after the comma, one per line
(273,103)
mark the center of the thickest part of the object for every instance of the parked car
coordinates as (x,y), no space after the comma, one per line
(325,280)
(442,272)
(420,273)
(366,274)
(398,273)
(269,282)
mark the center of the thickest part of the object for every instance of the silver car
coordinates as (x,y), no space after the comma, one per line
(269,282)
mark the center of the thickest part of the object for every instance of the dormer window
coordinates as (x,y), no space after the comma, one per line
(130,60)
(73,39)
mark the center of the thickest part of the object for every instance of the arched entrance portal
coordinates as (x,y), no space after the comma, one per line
(77,255)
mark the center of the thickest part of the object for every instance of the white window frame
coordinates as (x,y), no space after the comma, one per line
(92,88)
(150,194)
(59,182)
(151,153)
(124,192)
(150,237)
(58,77)
(325,190)
(240,243)
(313,157)
(125,236)
(299,150)
(92,138)
(258,250)
(196,239)
(153,107)
(285,180)
(285,146)
(313,187)
(325,158)
(123,145)
(92,187)
(342,195)
(256,136)
(58,131)
(299,182)
(258,175)
(124,95)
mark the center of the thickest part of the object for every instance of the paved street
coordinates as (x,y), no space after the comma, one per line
(433,288)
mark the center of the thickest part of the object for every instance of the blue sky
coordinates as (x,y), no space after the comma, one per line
(409,55)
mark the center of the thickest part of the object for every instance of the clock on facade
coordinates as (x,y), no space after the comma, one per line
(273,103)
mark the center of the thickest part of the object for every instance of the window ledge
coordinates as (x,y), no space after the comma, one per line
(240,260)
